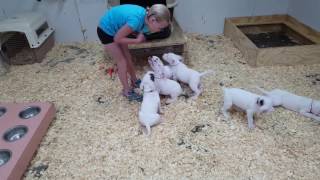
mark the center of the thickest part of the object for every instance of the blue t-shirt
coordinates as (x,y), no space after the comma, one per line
(118,16)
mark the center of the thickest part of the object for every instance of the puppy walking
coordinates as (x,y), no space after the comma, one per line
(247,101)
(305,106)
(150,107)
(184,74)
(165,85)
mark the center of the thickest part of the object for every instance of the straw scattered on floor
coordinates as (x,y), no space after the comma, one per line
(96,134)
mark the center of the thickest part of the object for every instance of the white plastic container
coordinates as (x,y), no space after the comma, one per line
(32,24)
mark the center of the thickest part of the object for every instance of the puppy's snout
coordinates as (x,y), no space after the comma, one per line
(150,61)
(267,109)
(149,58)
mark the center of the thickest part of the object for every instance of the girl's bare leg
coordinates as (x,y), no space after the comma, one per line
(130,66)
(117,54)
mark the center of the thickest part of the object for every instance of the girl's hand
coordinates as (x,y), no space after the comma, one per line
(140,38)
(121,36)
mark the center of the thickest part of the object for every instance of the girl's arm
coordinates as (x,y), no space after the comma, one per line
(124,31)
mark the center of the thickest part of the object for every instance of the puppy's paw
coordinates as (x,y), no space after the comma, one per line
(226,115)
(138,91)
(194,97)
(225,118)
(142,130)
(160,111)
(169,101)
(251,127)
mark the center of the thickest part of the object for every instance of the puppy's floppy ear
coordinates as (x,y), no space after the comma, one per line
(180,58)
(260,102)
(152,77)
(176,61)
(176,58)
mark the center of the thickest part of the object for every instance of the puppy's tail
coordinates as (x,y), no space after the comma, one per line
(262,90)
(207,72)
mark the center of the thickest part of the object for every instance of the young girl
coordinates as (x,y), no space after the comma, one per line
(114,28)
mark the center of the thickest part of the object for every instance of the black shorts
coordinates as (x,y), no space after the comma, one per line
(104,37)
(143,3)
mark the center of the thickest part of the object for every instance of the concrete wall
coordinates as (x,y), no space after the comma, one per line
(74,20)
(207,16)
(306,11)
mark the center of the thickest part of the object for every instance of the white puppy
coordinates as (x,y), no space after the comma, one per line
(247,101)
(150,107)
(156,64)
(184,74)
(305,106)
(166,86)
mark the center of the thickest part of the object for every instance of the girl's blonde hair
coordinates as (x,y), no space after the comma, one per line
(160,12)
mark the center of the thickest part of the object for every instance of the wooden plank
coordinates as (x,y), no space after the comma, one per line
(298,36)
(255,20)
(303,29)
(248,49)
(307,54)
(254,29)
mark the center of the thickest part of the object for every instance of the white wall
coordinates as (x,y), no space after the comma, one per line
(74,20)
(307,11)
(207,16)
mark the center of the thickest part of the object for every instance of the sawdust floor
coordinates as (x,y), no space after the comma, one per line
(96,136)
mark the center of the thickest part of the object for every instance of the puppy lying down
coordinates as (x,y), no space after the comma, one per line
(246,101)
(305,106)
(149,114)
(184,74)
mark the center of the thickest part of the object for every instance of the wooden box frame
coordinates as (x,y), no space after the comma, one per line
(291,55)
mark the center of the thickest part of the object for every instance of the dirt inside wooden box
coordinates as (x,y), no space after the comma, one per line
(96,133)
(274,35)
